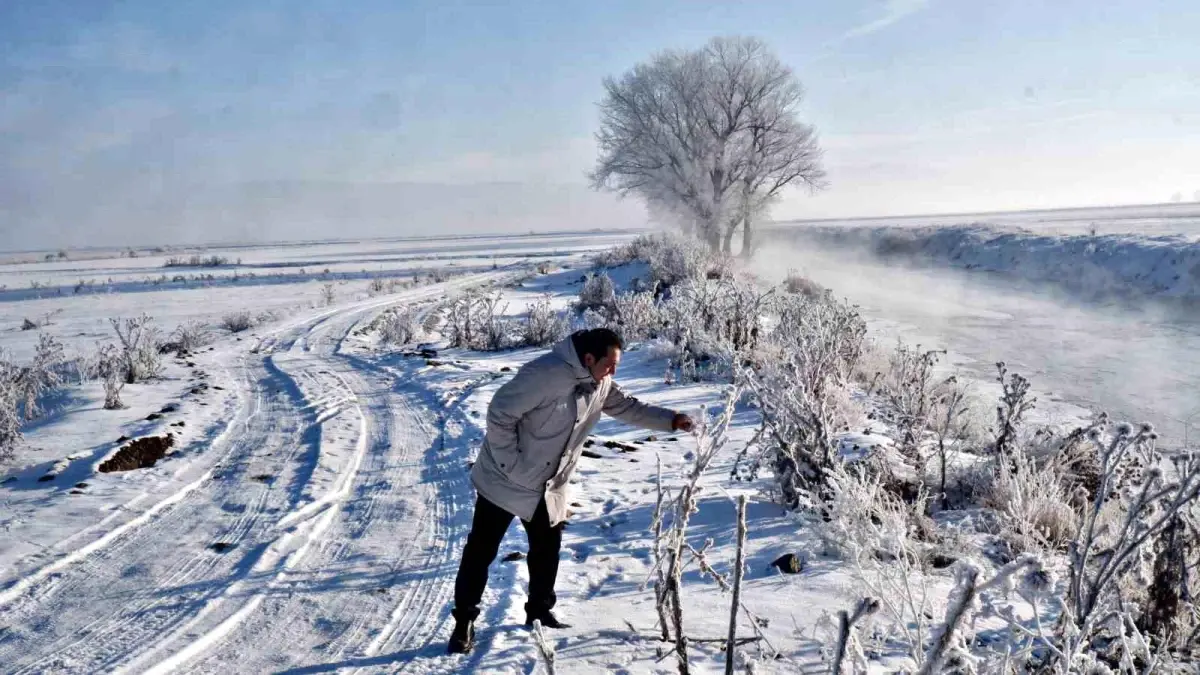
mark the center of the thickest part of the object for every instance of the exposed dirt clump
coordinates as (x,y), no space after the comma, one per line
(140,454)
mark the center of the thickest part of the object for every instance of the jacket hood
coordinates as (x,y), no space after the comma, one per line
(565,350)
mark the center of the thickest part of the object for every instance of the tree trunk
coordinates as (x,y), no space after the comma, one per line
(727,244)
(747,238)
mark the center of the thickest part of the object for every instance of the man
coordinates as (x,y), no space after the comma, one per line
(536,425)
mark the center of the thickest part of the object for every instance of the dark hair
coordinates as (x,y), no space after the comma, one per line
(596,342)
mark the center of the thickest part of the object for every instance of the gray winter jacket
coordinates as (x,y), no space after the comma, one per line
(536,425)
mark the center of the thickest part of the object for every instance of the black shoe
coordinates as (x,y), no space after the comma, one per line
(462,640)
(546,617)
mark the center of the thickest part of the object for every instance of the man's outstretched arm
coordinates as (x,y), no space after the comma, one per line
(633,412)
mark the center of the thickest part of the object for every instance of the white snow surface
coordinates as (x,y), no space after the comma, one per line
(310,517)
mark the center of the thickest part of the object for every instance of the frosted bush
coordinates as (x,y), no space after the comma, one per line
(675,259)
(498,331)
(328,294)
(139,343)
(189,337)
(236,322)
(597,293)
(397,326)
(802,388)
(543,326)
(43,374)
(638,316)
(475,320)
(800,284)
(909,391)
(10,420)
(1034,508)
(110,368)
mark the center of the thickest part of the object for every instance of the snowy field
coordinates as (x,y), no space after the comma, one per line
(310,513)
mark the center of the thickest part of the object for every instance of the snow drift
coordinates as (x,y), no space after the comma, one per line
(1129,266)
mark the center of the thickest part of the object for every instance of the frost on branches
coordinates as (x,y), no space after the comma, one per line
(802,390)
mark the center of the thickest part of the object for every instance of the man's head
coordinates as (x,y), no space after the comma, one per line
(599,351)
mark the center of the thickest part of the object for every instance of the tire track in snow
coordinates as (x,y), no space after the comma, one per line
(149,567)
(328,509)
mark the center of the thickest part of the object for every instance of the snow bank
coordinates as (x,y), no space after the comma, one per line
(1100,265)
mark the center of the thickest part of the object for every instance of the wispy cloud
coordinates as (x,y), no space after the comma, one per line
(892,11)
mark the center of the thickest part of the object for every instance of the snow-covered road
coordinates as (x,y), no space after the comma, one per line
(320,523)
(1137,364)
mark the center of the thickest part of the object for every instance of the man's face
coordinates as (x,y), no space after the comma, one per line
(604,367)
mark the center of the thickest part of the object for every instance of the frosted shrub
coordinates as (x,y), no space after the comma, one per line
(110,368)
(475,320)
(397,326)
(675,259)
(797,283)
(597,293)
(638,316)
(1139,496)
(1034,509)
(237,322)
(10,420)
(1015,403)
(328,294)
(872,529)
(43,374)
(462,319)
(498,330)
(543,326)
(802,390)
(139,341)
(433,318)
(909,394)
(189,337)
(376,286)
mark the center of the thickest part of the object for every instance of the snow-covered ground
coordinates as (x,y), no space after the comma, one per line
(310,516)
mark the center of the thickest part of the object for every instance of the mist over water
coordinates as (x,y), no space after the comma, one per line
(1139,364)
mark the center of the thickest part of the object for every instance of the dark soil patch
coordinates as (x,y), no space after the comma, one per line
(514,556)
(140,454)
(122,439)
(592,454)
(623,447)
(263,478)
(153,416)
(47,478)
(222,546)
(169,408)
(788,563)
(81,485)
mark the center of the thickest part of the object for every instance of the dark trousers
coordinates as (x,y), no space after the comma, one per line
(487,530)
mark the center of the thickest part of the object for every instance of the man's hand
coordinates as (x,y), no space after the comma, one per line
(683,423)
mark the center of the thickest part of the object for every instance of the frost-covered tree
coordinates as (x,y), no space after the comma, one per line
(710,136)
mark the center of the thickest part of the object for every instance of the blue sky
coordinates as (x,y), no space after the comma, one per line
(117,118)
